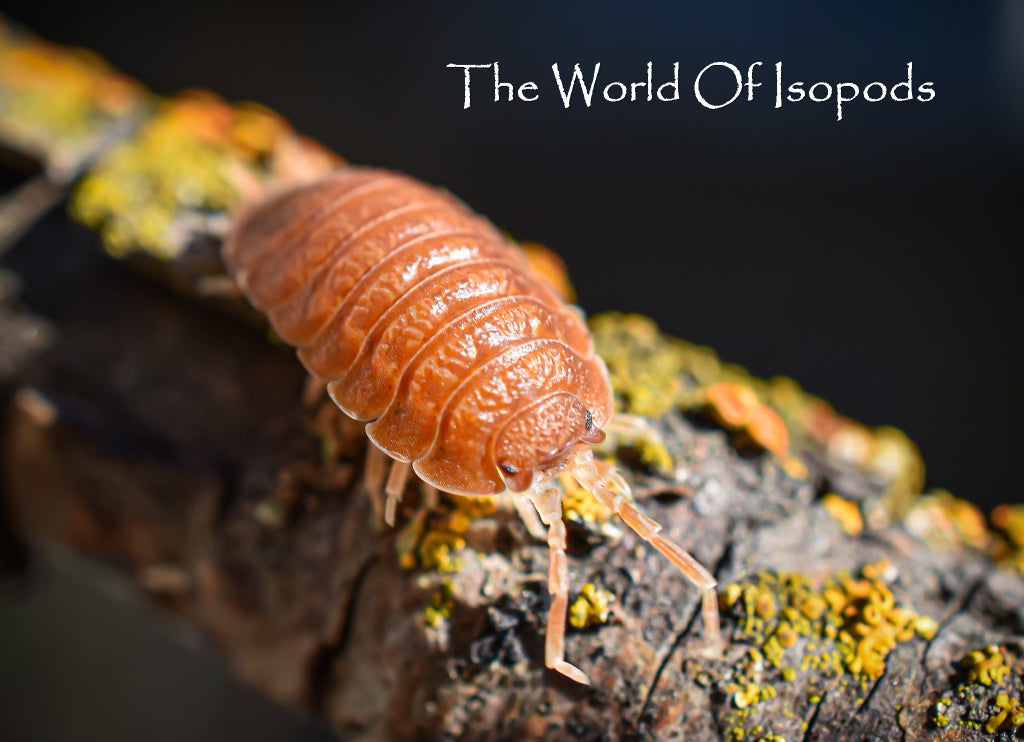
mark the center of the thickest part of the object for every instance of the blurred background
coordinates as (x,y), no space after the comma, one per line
(872,259)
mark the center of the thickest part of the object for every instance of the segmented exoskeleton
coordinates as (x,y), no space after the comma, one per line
(430,327)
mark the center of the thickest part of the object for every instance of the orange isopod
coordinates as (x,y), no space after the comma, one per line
(430,327)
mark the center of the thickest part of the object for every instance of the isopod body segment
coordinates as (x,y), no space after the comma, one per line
(429,326)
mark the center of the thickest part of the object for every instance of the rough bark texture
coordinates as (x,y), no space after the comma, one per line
(172,441)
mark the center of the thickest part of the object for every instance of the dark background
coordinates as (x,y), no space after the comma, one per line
(872,259)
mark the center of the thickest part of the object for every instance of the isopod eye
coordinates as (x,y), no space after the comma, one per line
(590,420)
(516,479)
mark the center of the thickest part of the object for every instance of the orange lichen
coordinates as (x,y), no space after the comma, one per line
(846,512)
(68,73)
(946,521)
(732,403)
(768,429)
(551,268)
(884,451)
(1008,545)
(738,408)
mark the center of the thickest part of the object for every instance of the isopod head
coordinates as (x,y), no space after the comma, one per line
(541,436)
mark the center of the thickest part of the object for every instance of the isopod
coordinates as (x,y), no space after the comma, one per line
(429,326)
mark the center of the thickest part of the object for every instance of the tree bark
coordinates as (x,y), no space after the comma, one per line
(175,442)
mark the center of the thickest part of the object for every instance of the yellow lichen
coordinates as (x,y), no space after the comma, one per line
(579,505)
(854,622)
(591,608)
(193,159)
(986,666)
(846,512)
(56,102)
(653,373)
(648,453)
(750,695)
(441,605)
(435,540)
(468,509)
(440,550)
(988,694)
(1009,719)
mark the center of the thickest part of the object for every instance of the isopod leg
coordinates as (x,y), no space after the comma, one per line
(528,515)
(394,489)
(431,496)
(373,475)
(632,425)
(585,472)
(313,391)
(548,501)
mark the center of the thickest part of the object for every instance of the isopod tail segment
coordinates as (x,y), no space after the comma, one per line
(547,498)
